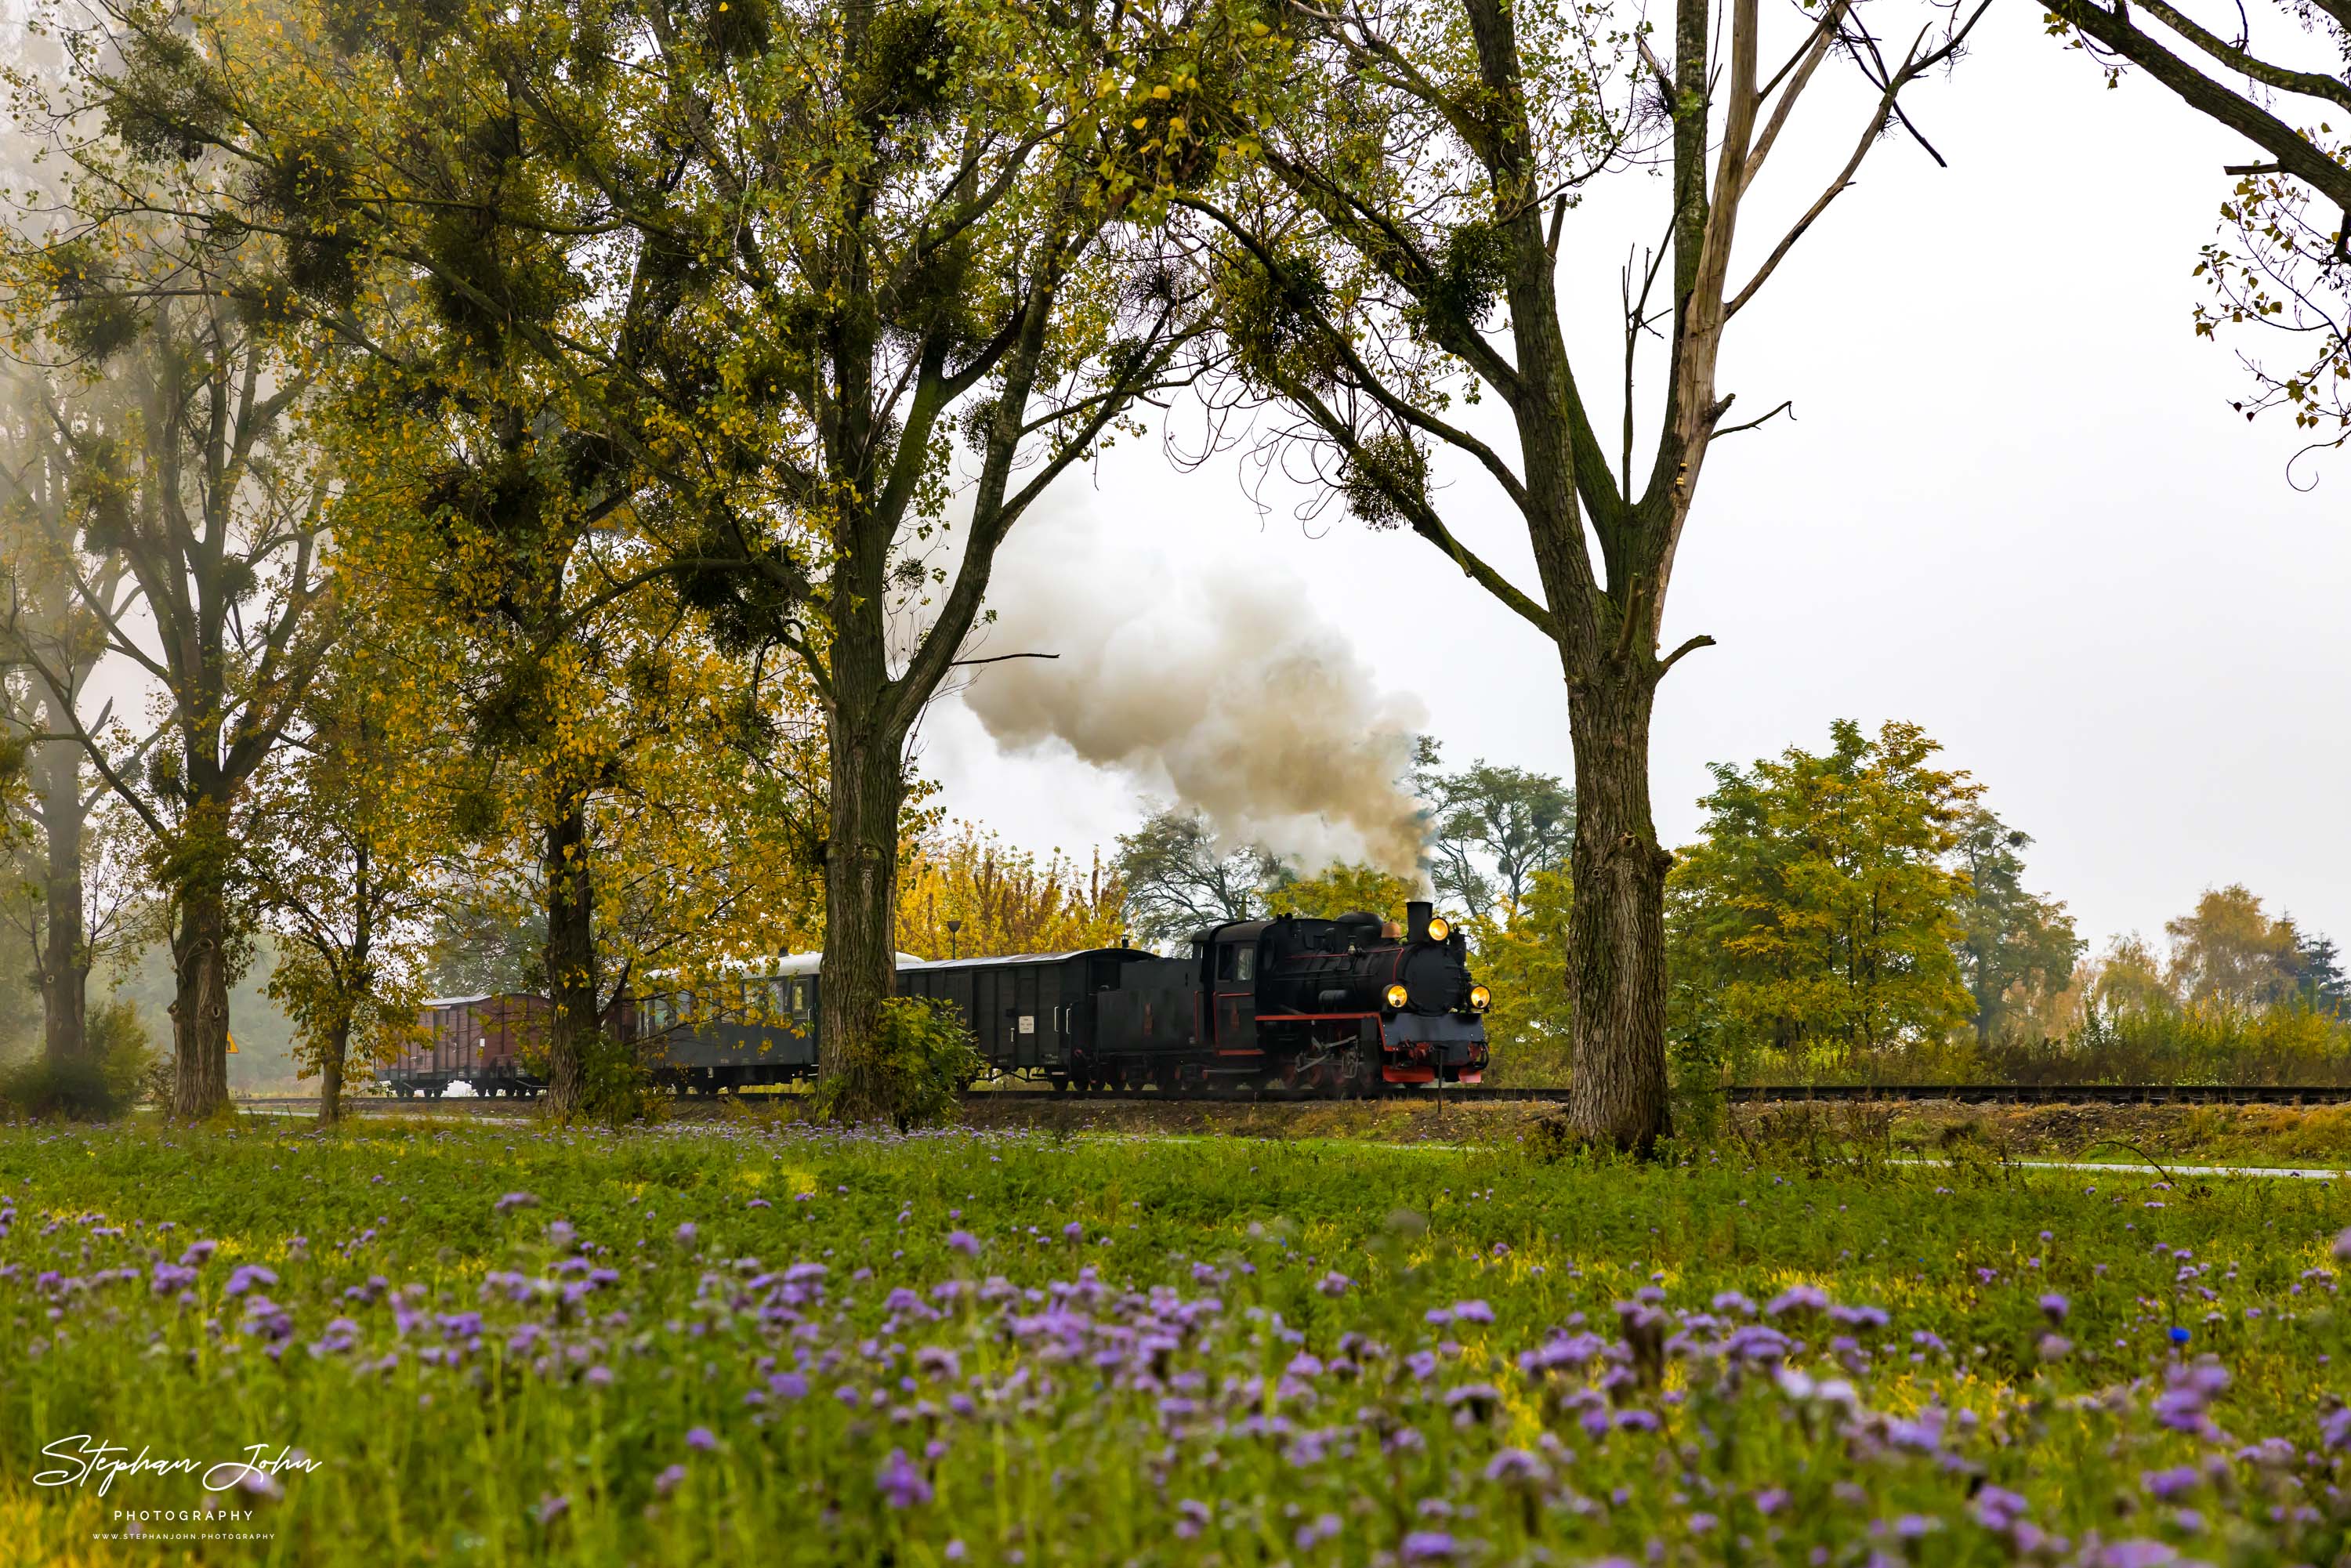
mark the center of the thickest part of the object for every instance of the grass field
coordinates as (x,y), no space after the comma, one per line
(747,1343)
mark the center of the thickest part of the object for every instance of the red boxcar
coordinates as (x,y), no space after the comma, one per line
(494,1044)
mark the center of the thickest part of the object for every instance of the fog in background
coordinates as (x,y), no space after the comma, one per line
(2015,506)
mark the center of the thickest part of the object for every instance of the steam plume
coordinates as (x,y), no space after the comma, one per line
(1233,696)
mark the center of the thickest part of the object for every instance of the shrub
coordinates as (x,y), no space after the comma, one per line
(617,1083)
(908,1073)
(113,1074)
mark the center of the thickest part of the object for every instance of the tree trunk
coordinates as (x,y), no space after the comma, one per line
(570,957)
(1616,942)
(860,902)
(62,955)
(330,1073)
(200,1000)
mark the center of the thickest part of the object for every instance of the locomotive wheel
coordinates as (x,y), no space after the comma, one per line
(1348,1076)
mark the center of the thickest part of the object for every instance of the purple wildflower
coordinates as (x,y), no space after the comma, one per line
(963,1241)
(1798,1299)
(902,1482)
(523,1200)
(701,1439)
(667,1481)
(1517,1467)
(248,1275)
(1430,1546)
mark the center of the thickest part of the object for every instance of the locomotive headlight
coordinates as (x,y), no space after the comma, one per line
(1480,998)
(1398,995)
(1438,928)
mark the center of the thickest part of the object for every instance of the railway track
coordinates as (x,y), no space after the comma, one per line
(1752,1094)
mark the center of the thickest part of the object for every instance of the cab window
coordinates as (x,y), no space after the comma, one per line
(1245,964)
(1227,956)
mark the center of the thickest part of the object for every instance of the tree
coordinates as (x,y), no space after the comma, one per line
(619,793)
(1521,948)
(2011,940)
(1179,878)
(488,944)
(45,614)
(2230,951)
(779,260)
(2131,981)
(1520,824)
(2289,212)
(1003,900)
(2318,973)
(1337,890)
(1415,171)
(341,869)
(193,481)
(1819,905)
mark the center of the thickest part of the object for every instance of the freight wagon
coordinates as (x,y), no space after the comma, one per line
(492,1044)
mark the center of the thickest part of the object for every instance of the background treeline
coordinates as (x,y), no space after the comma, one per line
(1855,913)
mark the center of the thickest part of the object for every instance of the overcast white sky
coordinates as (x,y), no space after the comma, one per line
(2015,508)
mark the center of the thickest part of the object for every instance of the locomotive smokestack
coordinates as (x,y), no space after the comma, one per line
(1416,916)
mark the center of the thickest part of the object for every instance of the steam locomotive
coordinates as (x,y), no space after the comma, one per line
(1331,1006)
(1307,1006)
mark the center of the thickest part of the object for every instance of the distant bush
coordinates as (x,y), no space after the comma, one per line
(908,1073)
(2202,1042)
(113,1074)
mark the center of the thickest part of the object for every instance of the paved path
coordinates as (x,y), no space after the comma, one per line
(2311,1173)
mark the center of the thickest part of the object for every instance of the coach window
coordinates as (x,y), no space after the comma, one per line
(800,999)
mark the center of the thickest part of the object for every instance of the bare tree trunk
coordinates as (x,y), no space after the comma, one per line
(571,984)
(330,1074)
(1616,925)
(861,901)
(62,954)
(200,1003)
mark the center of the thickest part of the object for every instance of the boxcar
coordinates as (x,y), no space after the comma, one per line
(492,1044)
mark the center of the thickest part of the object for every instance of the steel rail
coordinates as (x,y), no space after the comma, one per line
(1745,1093)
